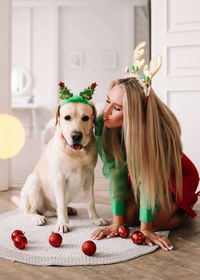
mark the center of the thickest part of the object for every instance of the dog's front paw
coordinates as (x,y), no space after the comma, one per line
(38,219)
(41,221)
(100,222)
(62,227)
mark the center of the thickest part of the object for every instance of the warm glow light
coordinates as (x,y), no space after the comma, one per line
(12,136)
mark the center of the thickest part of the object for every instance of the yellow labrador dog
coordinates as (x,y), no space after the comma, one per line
(66,165)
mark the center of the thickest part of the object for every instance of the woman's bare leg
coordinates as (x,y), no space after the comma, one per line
(166,219)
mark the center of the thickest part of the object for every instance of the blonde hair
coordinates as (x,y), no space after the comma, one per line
(112,145)
(112,141)
(152,143)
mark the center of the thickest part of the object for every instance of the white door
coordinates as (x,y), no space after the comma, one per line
(176,37)
(5,70)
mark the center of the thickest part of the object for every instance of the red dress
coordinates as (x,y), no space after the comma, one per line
(189,186)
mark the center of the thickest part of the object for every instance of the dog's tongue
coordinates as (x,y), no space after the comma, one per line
(76,147)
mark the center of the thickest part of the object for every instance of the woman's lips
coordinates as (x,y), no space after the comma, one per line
(105,118)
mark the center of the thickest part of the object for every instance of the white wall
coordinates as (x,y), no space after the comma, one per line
(46,34)
(5,66)
(94,32)
(34,50)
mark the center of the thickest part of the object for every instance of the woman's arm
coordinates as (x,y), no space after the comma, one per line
(117,188)
(147,216)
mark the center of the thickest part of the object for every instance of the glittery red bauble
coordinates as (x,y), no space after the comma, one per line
(55,239)
(16,233)
(123,232)
(89,248)
(20,241)
(137,237)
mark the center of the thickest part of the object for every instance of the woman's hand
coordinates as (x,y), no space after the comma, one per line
(152,237)
(109,231)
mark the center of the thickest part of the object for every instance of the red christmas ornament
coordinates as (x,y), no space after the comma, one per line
(123,232)
(20,241)
(137,237)
(89,248)
(16,233)
(55,239)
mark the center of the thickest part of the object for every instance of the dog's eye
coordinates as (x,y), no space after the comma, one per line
(85,118)
(67,118)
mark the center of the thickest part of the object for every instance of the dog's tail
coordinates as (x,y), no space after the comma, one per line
(16,200)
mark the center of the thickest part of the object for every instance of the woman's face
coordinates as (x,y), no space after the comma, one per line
(113,114)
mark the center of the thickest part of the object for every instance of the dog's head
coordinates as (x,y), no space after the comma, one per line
(76,123)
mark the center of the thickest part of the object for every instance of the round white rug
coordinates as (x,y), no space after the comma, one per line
(40,252)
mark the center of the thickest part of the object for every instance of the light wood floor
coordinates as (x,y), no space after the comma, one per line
(182,263)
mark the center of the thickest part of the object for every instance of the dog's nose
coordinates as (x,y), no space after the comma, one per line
(76,135)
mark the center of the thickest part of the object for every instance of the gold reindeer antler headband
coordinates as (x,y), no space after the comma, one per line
(148,71)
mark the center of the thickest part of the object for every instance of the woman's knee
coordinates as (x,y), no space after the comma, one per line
(166,219)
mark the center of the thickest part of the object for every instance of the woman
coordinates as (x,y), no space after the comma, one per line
(139,139)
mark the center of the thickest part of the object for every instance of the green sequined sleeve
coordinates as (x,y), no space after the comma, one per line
(117,175)
(118,187)
(146,214)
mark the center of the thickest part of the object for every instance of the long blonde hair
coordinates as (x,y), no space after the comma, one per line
(152,143)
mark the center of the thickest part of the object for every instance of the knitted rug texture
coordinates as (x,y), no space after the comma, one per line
(40,252)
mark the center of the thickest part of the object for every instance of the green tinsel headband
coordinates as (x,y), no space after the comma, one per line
(83,97)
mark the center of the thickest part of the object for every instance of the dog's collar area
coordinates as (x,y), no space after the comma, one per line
(75,147)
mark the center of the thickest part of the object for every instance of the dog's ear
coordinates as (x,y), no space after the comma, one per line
(57,113)
(94,113)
